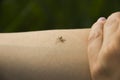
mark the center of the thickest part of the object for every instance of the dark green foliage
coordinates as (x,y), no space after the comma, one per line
(29,15)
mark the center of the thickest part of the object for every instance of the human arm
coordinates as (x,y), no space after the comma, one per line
(44,55)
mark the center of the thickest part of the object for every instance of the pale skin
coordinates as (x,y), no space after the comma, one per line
(45,55)
(62,54)
(104,48)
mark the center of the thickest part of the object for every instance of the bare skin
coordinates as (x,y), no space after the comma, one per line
(62,54)
(104,49)
(45,55)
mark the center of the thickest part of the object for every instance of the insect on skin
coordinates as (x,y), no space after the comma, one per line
(61,39)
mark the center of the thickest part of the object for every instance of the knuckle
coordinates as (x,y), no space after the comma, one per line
(96,33)
(116,16)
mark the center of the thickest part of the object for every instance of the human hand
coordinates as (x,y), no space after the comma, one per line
(104,48)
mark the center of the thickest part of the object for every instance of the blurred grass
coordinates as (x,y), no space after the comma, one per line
(31,15)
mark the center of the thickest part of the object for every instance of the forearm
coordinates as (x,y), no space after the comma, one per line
(46,55)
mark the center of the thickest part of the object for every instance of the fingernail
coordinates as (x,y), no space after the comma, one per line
(102,19)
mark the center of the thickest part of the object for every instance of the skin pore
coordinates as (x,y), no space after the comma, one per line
(45,55)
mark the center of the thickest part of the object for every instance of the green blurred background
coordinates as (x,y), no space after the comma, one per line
(32,15)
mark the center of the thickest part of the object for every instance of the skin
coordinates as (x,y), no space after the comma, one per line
(45,55)
(104,60)
(80,54)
